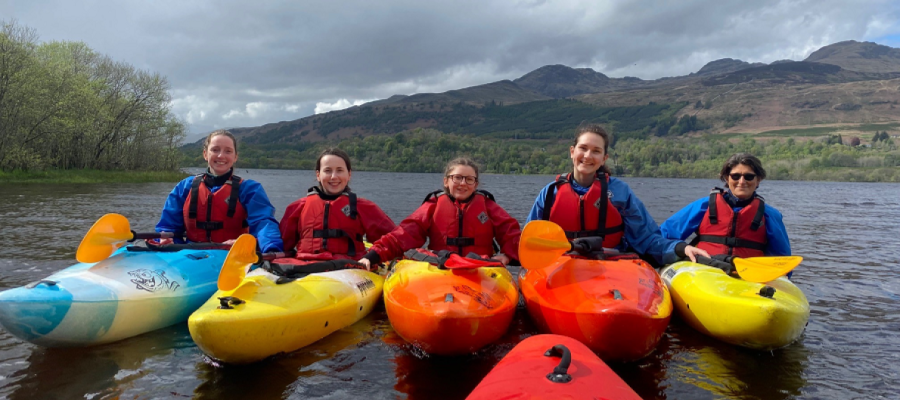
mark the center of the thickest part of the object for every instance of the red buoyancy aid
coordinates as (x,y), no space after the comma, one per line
(582,216)
(330,226)
(462,230)
(722,231)
(214,217)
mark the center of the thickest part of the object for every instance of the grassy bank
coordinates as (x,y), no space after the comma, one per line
(89,176)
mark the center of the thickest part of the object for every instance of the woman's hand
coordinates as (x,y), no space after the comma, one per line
(229,242)
(503,258)
(692,253)
(365,263)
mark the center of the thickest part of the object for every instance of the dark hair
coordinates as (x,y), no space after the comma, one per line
(220,132)
(466,161)
(334,151)
(745,159)
(597,130)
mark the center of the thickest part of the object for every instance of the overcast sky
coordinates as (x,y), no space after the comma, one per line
(247,63)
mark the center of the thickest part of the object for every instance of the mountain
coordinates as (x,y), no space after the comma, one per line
(724,66)
(847,82)
(560,81)
(859,56)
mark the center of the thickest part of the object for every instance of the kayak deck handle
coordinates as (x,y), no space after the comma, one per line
(228,302)
(767,291)
(560,373)
(46,282)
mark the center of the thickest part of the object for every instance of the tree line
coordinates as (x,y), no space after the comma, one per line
(64,106)
(428,150)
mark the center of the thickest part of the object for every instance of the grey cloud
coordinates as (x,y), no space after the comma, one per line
(228,54)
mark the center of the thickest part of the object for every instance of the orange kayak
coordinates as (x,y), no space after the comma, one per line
(449,311)
(619,309)
(552,367)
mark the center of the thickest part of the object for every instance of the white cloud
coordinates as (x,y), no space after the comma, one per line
(193,109)
(341,104)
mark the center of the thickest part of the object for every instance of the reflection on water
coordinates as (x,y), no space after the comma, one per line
(847,232)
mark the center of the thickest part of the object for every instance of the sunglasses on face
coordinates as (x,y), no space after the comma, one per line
(460,179)
(747,177)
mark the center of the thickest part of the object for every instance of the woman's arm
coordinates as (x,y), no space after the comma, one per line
(261,216)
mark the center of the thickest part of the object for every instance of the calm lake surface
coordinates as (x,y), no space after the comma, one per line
(848,233)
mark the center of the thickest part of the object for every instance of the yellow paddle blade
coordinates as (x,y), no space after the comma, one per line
(239,258)
(109,233)
(542,242)
(765,269)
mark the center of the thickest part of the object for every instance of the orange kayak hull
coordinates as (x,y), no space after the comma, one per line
(619,309)
(449,312)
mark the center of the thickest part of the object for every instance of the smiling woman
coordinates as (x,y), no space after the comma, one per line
(218,206)
(734,221)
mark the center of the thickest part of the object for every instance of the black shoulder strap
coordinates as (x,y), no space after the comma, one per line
(434,194)
(234,198)
(550,196)
(713,211)
(760,214)
(352,198)
(486,194)
(195,190)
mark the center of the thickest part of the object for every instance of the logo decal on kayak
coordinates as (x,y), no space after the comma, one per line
(152,281)
(483,217)
(481,297)
(365,286)
(650,285)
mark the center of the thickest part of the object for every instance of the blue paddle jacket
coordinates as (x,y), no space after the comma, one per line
(686,222)
(260,213)
(641,232)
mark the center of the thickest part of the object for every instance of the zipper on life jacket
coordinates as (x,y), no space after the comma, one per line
(459,214)
(325,228)
(734,219)
(581,212)
(209,207)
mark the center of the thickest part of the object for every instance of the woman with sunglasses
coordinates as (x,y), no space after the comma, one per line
(460,218)
(588,203)
(734,221)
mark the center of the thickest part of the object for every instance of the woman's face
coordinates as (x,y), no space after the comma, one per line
(742,187)
(457,182)
(220,155)
(588,154)
(333,174)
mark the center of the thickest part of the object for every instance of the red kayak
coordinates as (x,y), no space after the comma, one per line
(552,367)
(620,309)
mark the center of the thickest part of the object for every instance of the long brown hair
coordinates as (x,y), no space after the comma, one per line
(465,161)
(334,151)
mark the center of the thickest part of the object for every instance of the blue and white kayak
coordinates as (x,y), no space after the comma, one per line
(132,292)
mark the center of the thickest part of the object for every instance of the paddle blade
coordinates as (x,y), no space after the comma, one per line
(239,258)
(765,269)
(109,233)
(541,244)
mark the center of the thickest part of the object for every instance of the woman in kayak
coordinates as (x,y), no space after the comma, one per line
(217,206)
(588,203)
(329,223)
(460,218)
(739,222)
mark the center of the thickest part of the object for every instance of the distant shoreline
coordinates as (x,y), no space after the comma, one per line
(89,176)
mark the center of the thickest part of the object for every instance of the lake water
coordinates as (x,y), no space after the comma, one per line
(848,233)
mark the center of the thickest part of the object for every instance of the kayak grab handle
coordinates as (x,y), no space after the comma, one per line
(560,374)
(228,302)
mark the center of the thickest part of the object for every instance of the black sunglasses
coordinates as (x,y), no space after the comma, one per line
(747,177)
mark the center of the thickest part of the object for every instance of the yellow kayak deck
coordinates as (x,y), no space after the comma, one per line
(272,318)
(736,311)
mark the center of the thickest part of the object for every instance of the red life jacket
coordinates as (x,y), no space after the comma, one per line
(214,217)
(722,231)
(461,231)
(583,216)
(330,229)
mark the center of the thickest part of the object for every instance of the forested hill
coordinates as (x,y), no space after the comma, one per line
(837,109)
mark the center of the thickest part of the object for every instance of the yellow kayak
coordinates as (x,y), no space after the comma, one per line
(261,318)
(760,316)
